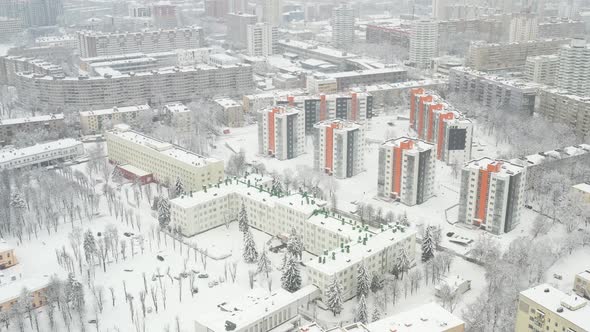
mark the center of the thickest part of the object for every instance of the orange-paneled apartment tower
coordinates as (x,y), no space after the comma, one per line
(439,123)
(339,148)
(492,194)
(352,106)
(406,170)
(281,132)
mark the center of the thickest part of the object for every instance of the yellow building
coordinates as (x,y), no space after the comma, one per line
(544,308)
(7,257)
(11,291)
(165,161)
(582,284)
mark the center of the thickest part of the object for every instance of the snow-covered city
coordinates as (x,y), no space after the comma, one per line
(294,166)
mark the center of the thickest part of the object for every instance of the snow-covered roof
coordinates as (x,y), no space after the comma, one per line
(359,248)
(176,108)
(164,148)
(418,144)
(115,109)
(13,154)
(583,187)
(429,317)
(134,170)
(553,299)
(316,48)
(281,110)
(227,102)
(339,125)
(251,307)
(130,34)
(11,290)
(584,274)
(40,118)
(505,166)
(375,71)
(5,246)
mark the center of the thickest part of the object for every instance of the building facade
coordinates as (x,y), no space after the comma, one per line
(93,44)
(350,79)
(342,26)
(281,132)
(493,91)
(488,57)
(582,284)
(237,28)
(43,154)
(262,39)
(544,308)
(10,65)
(353,106)
(523,27)
(339,148)
(492,194)
(574,73)
(165,161)
(423,43)
(178,115)
(7,257)
(542,69)
(52,123)
(437,122)
(232,112)
(572,110)
(406,170)
(96,122)
(156,87)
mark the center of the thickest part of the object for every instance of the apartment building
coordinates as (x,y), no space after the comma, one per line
(281,132)
(423,43)
(155,87)
(320,83)
(544,308)
(561,28)
(165,161)
(582,284)
(10,27)
(97,121)
(378,250)
(572,110)
(492,194)
(489,28)
(256,101)
(231,112)
(339,148)
(237,28)
(350,79)
(261,39)
(542,69)
(11,65)
(7,257)
(353,106)
(429,317)
(43,154)
(52,123)
(342,26)
(406,170)
(395,93)
(11,291)
(523,27)
(574,73)
(487,57)
(178,115)
(494,91)
(94,43)
(437,122)
(270,11)
(392,34)
(66,41)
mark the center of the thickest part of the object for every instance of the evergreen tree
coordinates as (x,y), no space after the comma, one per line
(376,314)
(291,278)
(250,254)
(334,296)
(89,246)
(428,244)
(178,187)
(163,212)
(243,219)
(363,281)
(294,244)
(156,203)
(402,262)
(264,264)
(377,282)
(404,219)
(361,314)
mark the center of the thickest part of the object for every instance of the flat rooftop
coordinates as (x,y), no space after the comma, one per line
(375,71)
(13,154)
(429,317)
(227,102)
(40,118)
(419,145)
(125,109)
(176,108)
(12,290)
(506,167)
(551,299)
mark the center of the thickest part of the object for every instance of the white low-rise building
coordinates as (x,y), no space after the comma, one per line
(97,121)
(165,161)
(52,123)
(180,117)
(41,154)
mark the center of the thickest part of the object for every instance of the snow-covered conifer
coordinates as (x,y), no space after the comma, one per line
(361,312)
(250,254)
(334,296)
(291,279)
(363,281)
